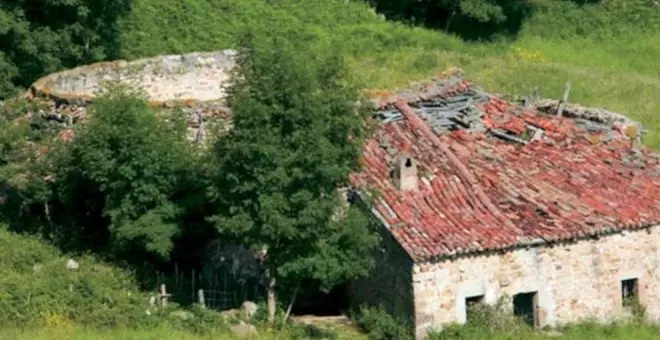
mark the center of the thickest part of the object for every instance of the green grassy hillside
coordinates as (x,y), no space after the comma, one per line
(608,51)
(41,299)
(39,295)
(37,288)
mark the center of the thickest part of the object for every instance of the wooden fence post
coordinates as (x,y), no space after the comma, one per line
(163,295)
(564,98)
(200,296)
(192,277)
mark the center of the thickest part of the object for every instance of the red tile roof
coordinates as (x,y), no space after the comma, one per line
(480,193)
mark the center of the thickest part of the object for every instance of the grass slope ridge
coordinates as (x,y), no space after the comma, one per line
(37,288)
(608,50)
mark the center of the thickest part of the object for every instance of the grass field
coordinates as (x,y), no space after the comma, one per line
(627,82)
(585,331)
(577,332)
(162,334)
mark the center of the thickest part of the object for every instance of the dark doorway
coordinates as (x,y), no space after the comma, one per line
(471,305)
(525,306)
(312,301)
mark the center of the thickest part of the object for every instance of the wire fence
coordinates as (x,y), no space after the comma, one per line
(218,289)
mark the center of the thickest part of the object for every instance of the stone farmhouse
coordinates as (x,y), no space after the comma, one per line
(481,200)
(478,199)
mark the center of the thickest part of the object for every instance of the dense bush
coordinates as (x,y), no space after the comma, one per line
(380,325)
(37,38)
(487,322)
(119,179)
(24,138)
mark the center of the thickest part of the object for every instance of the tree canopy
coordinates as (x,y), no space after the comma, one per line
(297,135)
(40,37)
(123,176)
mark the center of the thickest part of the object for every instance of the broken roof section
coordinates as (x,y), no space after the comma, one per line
(495,176)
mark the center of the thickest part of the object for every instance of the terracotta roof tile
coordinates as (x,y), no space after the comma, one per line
(478,192)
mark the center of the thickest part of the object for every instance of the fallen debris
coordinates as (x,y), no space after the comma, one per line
(594,119)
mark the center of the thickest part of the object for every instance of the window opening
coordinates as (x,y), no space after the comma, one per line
(629,292)
(471,306)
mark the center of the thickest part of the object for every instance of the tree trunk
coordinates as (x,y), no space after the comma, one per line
(271,296)
(293,300)
(450,17)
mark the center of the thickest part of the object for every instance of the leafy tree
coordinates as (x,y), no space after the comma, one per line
(40,37)
(480,10)
(124,176)
(24,191)
(297,135)
(471,19)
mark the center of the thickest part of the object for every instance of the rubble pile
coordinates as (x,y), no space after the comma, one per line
(200,115)
(453,104)
(593,119)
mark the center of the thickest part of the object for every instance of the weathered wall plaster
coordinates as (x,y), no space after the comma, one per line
(195,82)
(193,76)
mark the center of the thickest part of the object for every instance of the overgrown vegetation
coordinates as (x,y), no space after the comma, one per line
(39,290)
(380,325)
(131,171)
(496,322)
(41,37)
(128,188)
(490,322)
(127,185)
(42,298)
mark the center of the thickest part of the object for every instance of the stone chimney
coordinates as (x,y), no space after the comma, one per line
(404,174)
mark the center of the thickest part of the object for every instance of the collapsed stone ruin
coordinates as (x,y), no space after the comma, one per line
(196,84)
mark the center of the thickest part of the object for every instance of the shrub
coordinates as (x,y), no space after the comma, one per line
(380,325)
(487,322)
(198,320)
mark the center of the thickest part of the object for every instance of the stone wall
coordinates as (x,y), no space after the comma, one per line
(389,283)
(573,281)
(193,76)
(194,82)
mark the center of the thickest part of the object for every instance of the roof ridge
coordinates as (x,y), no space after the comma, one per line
(462,171)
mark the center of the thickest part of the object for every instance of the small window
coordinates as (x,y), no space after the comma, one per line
(629,292)
(471,305)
